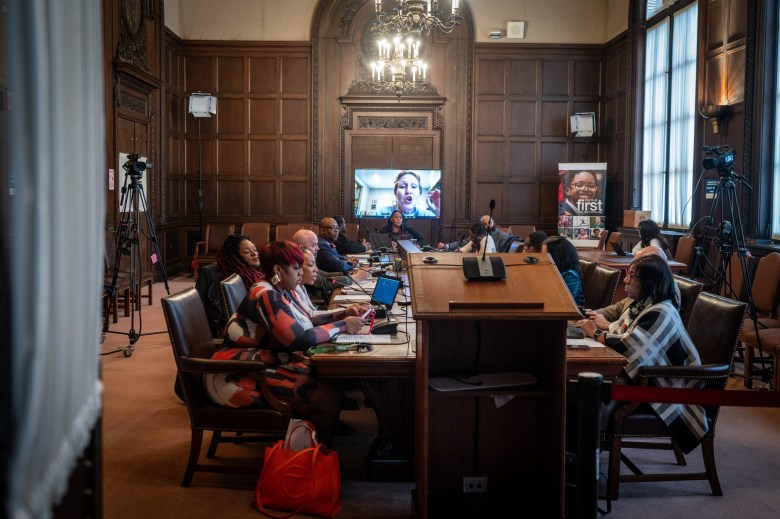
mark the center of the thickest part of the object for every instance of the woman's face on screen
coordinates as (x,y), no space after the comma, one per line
(407,191)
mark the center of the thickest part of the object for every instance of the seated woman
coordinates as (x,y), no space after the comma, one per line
(309,277)
(650,234)
(651,333)
(534,241)
(398,230)
(238,255)
(271,326)
(564,255)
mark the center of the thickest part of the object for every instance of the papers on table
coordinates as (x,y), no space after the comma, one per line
(361,337)
(352,297)
(583,343)
(482,381)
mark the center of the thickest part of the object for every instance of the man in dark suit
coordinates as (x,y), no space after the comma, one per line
(344,245)
(328,258)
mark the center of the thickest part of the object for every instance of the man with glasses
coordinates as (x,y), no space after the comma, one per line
(328,258)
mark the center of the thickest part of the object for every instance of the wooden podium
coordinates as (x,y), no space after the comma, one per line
(512,435)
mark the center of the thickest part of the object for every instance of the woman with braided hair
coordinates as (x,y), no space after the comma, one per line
(238,255)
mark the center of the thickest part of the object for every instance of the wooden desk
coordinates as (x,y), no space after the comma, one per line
(620,262)
(606,361)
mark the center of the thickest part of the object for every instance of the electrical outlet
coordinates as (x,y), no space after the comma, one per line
(475,484)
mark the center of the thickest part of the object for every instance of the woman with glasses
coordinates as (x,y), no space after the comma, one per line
(651,333)
(580,191)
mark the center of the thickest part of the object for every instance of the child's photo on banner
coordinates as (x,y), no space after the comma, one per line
(581,202)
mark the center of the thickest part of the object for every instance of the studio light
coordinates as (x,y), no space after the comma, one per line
(201,105)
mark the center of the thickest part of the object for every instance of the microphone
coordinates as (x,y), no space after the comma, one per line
(485,269)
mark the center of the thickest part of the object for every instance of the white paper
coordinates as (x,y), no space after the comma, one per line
(360,337)
(583,343)
(352,297)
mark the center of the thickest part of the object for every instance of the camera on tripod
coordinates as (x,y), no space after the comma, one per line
(135,167)
(721,159)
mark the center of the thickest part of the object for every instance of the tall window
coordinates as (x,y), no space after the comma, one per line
(669,117)
(775,204)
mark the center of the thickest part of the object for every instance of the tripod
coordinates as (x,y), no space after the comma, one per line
(132,202)
(730,236)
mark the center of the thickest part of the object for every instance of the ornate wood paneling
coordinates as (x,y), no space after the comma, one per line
(523,98)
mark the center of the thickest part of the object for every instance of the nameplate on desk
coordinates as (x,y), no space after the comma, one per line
(360,337)
(497,304)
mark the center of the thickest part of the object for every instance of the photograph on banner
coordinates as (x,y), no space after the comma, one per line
(581,202)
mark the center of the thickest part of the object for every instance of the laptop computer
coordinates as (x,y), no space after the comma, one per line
(619,250)
(380,241)
(385,291)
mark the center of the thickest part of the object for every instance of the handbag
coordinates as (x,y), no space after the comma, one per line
(303,481)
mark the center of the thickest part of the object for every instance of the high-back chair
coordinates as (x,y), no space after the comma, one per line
(614,236)
(601,286)
(233,291)
(766,299)
(684,251)
(205,253)
(586,269)
(193,347)
(285,231)
(714,327)
(689,292)
(258,232)
(733,286)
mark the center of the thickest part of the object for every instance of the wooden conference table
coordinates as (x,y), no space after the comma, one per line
(387,375)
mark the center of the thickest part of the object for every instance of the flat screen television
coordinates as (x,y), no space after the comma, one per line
(416,192)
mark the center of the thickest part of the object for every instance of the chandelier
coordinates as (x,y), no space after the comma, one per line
(415,17)
(398,67)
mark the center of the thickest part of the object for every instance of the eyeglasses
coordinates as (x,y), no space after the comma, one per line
(582,185)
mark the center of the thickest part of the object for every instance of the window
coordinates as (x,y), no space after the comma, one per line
(669,117)
(775,211)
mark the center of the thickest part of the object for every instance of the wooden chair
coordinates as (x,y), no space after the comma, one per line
(733,286)
(214,235)
(285,231)
(523,230)
(766,300)
(233,291)
(614,236)
(111,295)
(689,292)
(192,348)
(258,232)
(602,239)
(686,246)
(714,327)
(601,286)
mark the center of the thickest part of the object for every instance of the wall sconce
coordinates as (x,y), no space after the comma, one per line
(715,114)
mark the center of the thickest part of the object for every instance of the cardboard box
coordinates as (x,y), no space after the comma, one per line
(632,218)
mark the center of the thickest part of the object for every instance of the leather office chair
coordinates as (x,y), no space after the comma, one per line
(766,300)
(614,236)
(258,232)
(586,269)
(192,348)
(233,292)
(601,286)
(205,253)
(714,328)
(684,251)
(689,292)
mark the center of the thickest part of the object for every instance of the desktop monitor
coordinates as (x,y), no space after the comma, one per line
(417,193)
(385,291)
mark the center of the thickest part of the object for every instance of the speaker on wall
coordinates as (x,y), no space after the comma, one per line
(515,30)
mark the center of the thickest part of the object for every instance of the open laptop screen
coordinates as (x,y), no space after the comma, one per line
(385,290)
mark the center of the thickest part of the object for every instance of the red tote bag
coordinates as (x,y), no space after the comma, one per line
(307,481)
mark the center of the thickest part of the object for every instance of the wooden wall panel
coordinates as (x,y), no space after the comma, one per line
(295,162)
(262,153)
(230,196)
(262,117)
(230,117)
(262,199)
(611,124)
(230,158)
(230,75)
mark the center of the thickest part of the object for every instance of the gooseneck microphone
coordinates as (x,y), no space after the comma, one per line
(484,269)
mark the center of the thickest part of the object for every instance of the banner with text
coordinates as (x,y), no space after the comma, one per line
(581,202)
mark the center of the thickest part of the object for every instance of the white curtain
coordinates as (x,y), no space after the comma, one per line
(655,123)
(683,115)
(776,169)
(57,148)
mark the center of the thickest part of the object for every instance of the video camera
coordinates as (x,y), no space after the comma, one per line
(721,159)
(135,167)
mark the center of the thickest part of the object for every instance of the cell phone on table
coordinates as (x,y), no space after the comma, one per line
(368,312)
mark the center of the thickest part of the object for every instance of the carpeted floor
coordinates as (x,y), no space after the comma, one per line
(146,441)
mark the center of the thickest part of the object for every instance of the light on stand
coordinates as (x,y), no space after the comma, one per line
(201,105)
